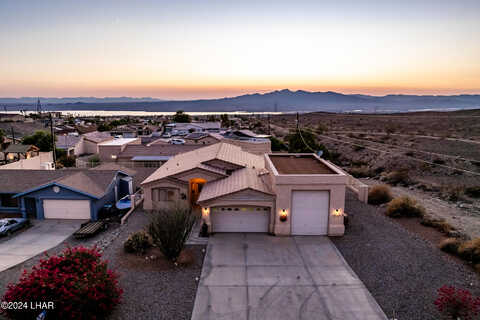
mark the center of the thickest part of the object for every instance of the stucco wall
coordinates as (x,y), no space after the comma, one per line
(90,147)
(34,163)
(149,204)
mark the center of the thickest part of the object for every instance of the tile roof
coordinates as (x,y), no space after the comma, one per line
(245,178)
(19,148)
(198,158)
(97,136)
(66,141)
(92,182)
(196,135)
(138,173)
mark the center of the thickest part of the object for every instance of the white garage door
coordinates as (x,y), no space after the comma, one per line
(310,212)
(240,219)
(66,209)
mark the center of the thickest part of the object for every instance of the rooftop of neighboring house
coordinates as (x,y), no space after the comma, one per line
(118,142)
(97,136)
(138,173)
(196,135)
(94,183)
(299,164)
(135,150)
(20,148)
(203,125)
(67,141)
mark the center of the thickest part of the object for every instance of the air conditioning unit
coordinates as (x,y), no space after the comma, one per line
(47,166)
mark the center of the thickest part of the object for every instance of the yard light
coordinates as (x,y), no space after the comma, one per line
(283,215)
(337,212)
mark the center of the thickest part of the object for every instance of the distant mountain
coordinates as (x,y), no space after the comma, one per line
(280,100)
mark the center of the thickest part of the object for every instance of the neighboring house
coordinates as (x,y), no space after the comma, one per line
(109,150)
(186,128)
(153,156)
(203,138)
(91,140)
(125,131)
(15,152)
(245,135)
(237,191)
(73,145)
(61,194)
(64,129)
(44,161)
(11,117)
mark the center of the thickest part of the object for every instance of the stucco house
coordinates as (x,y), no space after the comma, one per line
(73,145)
(61,194)
(238,191)
(91,140)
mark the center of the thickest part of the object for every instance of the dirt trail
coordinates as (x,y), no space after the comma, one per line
(466,220)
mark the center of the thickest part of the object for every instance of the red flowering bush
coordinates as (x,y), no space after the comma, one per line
(457,303)
(77,281)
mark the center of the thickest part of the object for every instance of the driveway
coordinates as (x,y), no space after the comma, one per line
(41,236)
(256,276)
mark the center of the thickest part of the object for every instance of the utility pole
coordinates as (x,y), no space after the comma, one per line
(53,141)
(297,121)
(268,120)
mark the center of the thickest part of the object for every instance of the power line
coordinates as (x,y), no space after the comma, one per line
(300,133)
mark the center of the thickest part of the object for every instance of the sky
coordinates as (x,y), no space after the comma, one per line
(206,49)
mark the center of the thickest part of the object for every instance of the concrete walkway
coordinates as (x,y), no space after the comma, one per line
(256,276)
(41,236)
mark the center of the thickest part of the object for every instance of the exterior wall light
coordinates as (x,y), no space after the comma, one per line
(283,215)
(114,156)
(337,212)
(205,212)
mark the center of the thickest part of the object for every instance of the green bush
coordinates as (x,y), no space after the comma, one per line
(404,207)
(137,242)
(379,194)
(169,229)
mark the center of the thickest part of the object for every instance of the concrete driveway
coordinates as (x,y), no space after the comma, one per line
(41,236)
(256,276)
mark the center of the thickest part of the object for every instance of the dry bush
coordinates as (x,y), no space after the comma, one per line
(450,245)
(439,224)
(404,207)
(470,250)
(473,192)
(361,172)
(398,177)
(379,194)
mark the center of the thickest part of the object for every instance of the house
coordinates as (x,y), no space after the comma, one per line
(61,194)
(186,128)
(124,131)
(201,138)
(238,191)
(11,117)
(137,155)
(44,161)
(15,152)
(91,140)
(109,150)
(73,145)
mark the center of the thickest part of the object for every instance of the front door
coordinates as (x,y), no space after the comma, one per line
(31,208)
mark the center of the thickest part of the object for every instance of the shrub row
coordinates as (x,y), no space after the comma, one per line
(468,250)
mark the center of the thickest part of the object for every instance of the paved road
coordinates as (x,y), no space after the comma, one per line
(41,236)
(256,276)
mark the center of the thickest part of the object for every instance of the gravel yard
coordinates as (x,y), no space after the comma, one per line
(401,270)
(158,291)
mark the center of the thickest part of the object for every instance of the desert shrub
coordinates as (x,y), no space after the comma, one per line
(321,128)
(379,194)
(404,207)
(398,177)
(77,281)
(438,161)
(456,303)
(137,242)
(470,250)
(450,245)
(360,172)
(439,224)
(409,153)
(277,144)
(170,228)
(358,147)
(452,193)
(473,192)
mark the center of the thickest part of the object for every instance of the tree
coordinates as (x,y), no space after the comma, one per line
(104,127)
(181,117)
(308,144)
(277,144)
(225,121)
(40,139)
(2,134)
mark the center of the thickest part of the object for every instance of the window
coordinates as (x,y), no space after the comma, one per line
(6,200)
(163,194)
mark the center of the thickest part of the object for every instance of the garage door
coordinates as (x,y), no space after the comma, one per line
(66,209)
(240,219)
(310,212)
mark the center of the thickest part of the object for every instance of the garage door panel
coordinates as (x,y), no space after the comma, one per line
(232,219)
(310,212)
(66,209)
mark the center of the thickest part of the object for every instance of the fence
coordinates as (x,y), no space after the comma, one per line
(136,199)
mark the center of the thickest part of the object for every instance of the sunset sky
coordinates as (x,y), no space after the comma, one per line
(203,49)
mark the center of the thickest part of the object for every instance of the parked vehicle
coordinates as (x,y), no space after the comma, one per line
(167,135)
(10,225)
(177,141)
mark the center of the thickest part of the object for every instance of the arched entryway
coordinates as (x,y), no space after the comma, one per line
(194,188)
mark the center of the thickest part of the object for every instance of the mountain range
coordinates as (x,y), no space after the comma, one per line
(279,100)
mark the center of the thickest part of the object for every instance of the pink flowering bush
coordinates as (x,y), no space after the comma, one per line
(456,303)
(77,281)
